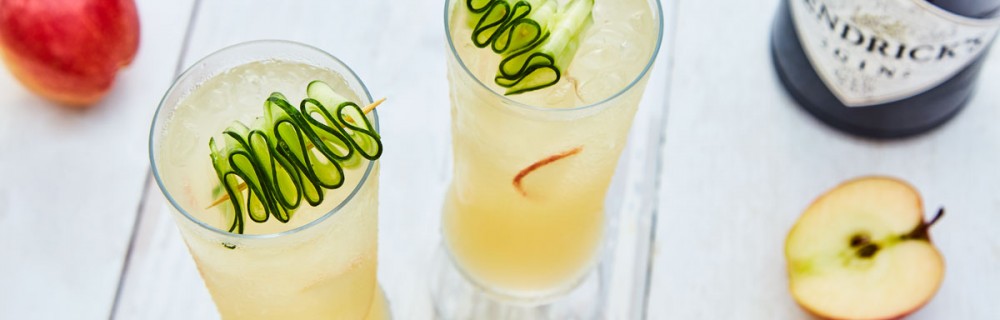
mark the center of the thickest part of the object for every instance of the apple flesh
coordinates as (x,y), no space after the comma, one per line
(861,251)
(68,51)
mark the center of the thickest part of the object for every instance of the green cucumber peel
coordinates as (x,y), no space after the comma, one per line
(536,38)
(291,154)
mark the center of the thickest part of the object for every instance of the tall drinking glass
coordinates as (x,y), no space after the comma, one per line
(524,217)
(321,263)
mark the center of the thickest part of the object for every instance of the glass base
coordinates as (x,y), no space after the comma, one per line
(457,298)
(380,307)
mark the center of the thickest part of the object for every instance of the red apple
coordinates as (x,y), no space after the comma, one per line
(68,51)
(862,251)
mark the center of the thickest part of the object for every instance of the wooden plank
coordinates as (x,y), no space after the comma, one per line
(743,161)
(631,260)
(161,281)
(70,182)
(398,50)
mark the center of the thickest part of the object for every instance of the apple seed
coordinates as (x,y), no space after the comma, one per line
(868,250)
(860,239)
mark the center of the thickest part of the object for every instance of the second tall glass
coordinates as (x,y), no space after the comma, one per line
(524,217)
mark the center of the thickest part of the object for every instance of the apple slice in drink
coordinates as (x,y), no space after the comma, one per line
(861,251)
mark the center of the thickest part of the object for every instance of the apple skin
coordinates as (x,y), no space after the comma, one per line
(828,275)
(68,51)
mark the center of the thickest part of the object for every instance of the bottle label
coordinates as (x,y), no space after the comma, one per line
(870,52)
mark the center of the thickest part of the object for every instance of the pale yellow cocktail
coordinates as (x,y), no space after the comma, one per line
(319,264)
(524,217)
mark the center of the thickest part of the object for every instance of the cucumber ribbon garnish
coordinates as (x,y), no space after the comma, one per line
(536,38)
(275,160)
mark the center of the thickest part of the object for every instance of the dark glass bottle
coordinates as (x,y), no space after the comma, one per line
(865,75)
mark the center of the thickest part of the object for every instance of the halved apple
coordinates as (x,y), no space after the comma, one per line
(861,251)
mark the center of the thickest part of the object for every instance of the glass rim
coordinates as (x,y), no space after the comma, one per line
(350,74)
(658,10)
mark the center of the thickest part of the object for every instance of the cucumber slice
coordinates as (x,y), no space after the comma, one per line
(349,117)
(229,183)
(478,6)
(527,28)
(491,23)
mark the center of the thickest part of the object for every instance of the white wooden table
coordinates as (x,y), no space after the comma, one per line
(83,235)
